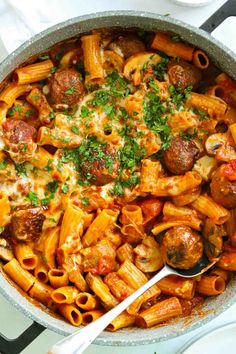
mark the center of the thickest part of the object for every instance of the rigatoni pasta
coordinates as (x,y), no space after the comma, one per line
(118,155)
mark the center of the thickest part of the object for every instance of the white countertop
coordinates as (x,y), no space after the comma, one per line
(15,28)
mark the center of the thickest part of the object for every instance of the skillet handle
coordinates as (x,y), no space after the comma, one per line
(15,346)
(226,10)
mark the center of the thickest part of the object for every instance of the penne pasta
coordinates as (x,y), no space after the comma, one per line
(58,278)
(20,276)
(160,312)
(122,321)
(177,286)
(34,72)
(87,301)
(71,313)
(65,295)
(211,285)
(25,256)
(91,316)
(166,44)
(200,59)
(207,206)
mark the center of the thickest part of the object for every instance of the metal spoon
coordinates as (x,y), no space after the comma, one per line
(77,342)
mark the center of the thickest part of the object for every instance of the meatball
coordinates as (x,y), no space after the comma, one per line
(66,87)
(102,167)
(18,131)
(223,190)
(127,46)
(26,225)
(183,74)
(181,155)
(19,138)
(181,247)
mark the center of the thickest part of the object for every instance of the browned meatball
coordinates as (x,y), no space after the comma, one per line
(127,46)
(18,131)
(102,167)
(223,190)
(66,87)
(26,225)
(183,74)
(181,155)
(181,247)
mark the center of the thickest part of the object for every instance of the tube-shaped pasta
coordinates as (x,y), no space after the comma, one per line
(170,209)
(50,246)
(99,225)
(200,59)
(21,277)
(168,224)
(220,272)
(40,158)
(25,256)
(72,225)
(187,198)
(227,261)
(211,285)
(125,252)
(213,106)
(87,301)
(12,92)
(176,185)
(232,129)
(41,272)
(71,313)
(117,286)
(150,171)
(58,278)
(132,275)
(164,43)
(131,214)
(112,61)
(65,295)
(132,233)
(92,58)
(207,206)
(150,294)
(122,321)
(41,292)
(5,209)
(177,286)
(34,72)
(101,290)
(160,312)
(91,316)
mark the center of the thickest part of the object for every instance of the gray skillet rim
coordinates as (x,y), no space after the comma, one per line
(223,58)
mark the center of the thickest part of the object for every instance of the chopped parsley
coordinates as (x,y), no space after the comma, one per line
(52,186)
(44,258)
(52,115)
(3,164)
(53,70)
(65,188)
(153,111)
(202,115)
(154,86)
(21,169)
(75,129)
(85,112)
(33,198)
(24,149)
(117,189)
(48,166)
(44,57)
(85,201)
(160,68)
(189,135)
(13,110)
(70,91)
(177,96)
(29,112)
(2,228)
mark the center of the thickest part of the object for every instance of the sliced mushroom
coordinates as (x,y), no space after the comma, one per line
(205,166)
(137,63)
(5,250)
(148,255)
(113,61)
(221,145)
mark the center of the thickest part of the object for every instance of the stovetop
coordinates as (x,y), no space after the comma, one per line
(12,322)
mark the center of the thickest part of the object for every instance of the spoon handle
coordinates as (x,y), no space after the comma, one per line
(77,342)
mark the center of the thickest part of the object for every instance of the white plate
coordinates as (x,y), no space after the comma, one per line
(217,341)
